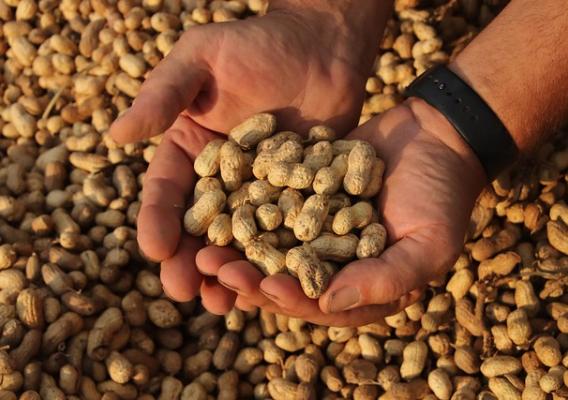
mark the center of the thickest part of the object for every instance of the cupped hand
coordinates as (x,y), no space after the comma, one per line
(432,180)
(216,76)
(220,74)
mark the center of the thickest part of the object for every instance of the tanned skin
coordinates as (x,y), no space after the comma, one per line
(307,61)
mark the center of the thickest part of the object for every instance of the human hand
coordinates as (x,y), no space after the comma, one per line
(431,183)
(306,68)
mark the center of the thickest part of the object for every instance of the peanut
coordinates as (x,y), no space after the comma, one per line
(313,274)
(359,163)
(309,222)
(198,218)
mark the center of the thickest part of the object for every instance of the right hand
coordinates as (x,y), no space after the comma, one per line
(431,181)
(216,76)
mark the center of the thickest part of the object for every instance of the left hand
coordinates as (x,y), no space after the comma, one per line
(430,186)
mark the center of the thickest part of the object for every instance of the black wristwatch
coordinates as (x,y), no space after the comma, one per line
(470,115)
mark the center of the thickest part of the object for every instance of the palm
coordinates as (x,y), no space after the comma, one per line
(220,74)
(424,196)
(270,64)
(425,204)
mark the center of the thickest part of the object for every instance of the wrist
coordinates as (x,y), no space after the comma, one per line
(437,125)
(351,29)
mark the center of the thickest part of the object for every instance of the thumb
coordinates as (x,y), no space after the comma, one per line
(407,265)
(169,89)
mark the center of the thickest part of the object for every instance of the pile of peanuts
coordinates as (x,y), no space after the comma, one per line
(83,314)
(298,192)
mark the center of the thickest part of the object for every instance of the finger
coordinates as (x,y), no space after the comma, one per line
(243,304)
(403,267)
(168,181)
(369,314)
(169,89)
(211,258)
(290,299)
(215,298)
(243,278)
(285,291)
(179,275)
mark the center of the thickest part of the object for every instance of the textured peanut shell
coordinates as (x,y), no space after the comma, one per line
(357,216)
(220,232)
(376,181)
(270,237)
(485,248)
(89,162)
(553,380)
(232,165)
(254,129)
(501,265)
(466,318)
(413,359)
(372,242)
(29,306)
(320,133)
(281,389)
(108,323)
(286,238)
(313,275)
(309,222)
(261,192)
(268,259)
(360,164)
(338,201)
(500,365)
(290,151)
(460,283)
(559,211)
(548,351)
(198,218)
(526,298)
(239,197)
(163,314)
(296,176)
(331,247)
(276,140)
(247,359)
(243,224)
(440,383)
(328,180)
(119,368)
(290,203)
(292,341)
(343,146)
(480,218)
(519,327)
(57,332)
(467,359)
(204,185)
(268,217)
(503,389)
(226,350)
(558,235)
(318,156)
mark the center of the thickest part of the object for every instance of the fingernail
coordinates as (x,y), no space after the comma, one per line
(270,296)
(343,299)
(230,287)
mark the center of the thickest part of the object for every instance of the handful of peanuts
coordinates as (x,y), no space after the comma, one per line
(291,205)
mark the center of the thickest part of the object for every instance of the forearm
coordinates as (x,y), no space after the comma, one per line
(518,65)
(353,27)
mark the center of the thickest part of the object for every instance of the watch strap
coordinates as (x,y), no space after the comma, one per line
(470,115)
